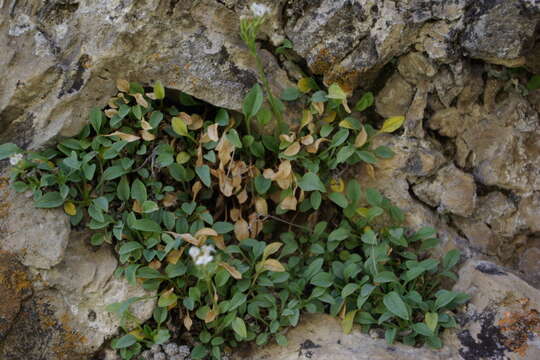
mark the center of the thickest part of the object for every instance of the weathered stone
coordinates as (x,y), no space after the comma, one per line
(67,56)
(415,67)
(15,287)
(320,337)
(502,319)
(448,122)
(37,236)
(395,98)
(529,265)
(452,191)
(67,316)
(500,31)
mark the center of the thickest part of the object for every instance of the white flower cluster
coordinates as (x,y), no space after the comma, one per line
(259,10)
(203,255)
(14,159)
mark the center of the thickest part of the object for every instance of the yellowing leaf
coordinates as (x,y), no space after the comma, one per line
(188,322)
(304,85)
(137,333)
(370,170)
(289,203)
(337,185)
(70,208)
(241,229)
(307,117)
(186,237)
(182,157)
(271,249)
(206,232)
(197,122)
(307,140)
(313,148)
(145,125)
(174,256)
(319,107)
(392,124)
(124,136)
(293,149)
(261,206)
(231,270)
(362,211)
(273,265)
(139,98)
(348,321)
(335,92)
(346,124)
(213,132)
(330,117)
(147,135)
(122,85)
(361,138)
(179,126)
(210,316)
(346,105)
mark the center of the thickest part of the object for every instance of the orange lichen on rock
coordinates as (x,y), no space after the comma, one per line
(518,326)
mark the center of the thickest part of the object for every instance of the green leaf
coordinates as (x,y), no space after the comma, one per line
(390,335)
(281,340)
(444,297)
(96,118)
(113,172)
(204,174)
(264,116)
(315,199)
(129,247)
(451,259)
(146,225)
(234,138)
(322,279)
(179,126)
(187,100)
(222,117)
(167,299)
(369,237)
(262,184)
(138,191)
(49,200)
(159,90)
(291,94)
(533,83)
(365,101)
(89,170)
(349,289)
(149,207)
(344,153)
(239,327)
(393,302)
(384,152)
(199,352)
(339,234)
(431,319)
(125,341)
(422,329)
(335,92)
(8,149)
(311,182)
(339,199)
(385,277)
(253,101)
(367,157)
(122,191)
(373,197)
(223,227)
(354,191)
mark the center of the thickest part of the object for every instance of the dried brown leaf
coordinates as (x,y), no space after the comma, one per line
(241,229)
(122,85)
(124,136)
(273,265)
(232,270)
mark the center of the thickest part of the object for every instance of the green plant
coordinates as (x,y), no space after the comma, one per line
(207,215)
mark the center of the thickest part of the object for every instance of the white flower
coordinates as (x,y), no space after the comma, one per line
(14,159)
(194,252)
(202,256)
(259,10)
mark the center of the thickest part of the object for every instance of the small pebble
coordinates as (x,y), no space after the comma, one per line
(155,348)
(146,355)
(170,349)
(160,356)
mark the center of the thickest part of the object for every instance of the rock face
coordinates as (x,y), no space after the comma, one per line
(467,163)
(320,337)
(502,320)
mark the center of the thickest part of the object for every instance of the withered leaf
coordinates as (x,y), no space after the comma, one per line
(273,265)
(232,270)
(241,229)
(122,85)
(124,136)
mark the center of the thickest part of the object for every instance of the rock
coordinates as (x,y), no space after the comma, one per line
(320,337)
(415,67)
(15,288)
(500,31)
(67,316)
(502,319)
(448,122)
(37,236)
(394,99)
(67,56)
(529,210)
(452,191)
(529,265)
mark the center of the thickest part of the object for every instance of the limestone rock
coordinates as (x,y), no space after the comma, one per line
(15,287)
(452,191)
(500,31)
(320,337)
(37,236)
(67,316)
(502,319)
(395,98)
(415,67)
(67,56)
